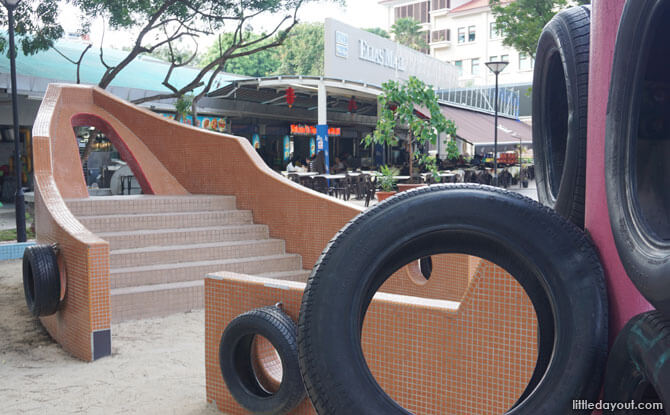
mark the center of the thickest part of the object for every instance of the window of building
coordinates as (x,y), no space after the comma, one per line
(471,34)
(504,58)
(525,62)
(459,67)
(461,35)
(475,67)
(441,4)
(495,33)
(493,58)
(417,11)
(441,35)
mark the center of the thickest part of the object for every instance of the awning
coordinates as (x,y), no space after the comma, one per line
(477,127)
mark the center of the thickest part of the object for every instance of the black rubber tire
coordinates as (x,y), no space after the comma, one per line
(560,109)
(645,255)
(236,365)
(41,280)
(638,368)
(552,259)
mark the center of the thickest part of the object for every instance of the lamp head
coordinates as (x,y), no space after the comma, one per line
(10,4)
(496,66)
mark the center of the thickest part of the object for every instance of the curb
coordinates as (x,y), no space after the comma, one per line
(14,250)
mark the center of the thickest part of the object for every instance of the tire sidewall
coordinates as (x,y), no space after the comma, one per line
(556,39)
(250,325)
(350,262)
(646,262)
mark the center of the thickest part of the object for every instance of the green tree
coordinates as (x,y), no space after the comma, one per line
(36,26)
(398,103)
(407,31)
(379,32)
(164,24)
(263,63)
(302,52)
(522,21)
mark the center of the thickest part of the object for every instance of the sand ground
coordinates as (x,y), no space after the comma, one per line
(157,365)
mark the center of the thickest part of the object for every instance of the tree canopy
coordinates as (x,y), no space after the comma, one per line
(36,26)
(379,32)
(302,52)
(262,63)
(398,103)
(407,31)
(522,21)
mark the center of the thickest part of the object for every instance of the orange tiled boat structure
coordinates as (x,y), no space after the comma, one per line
(431,355)
(175,162)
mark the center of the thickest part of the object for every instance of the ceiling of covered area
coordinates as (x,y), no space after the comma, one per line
(272,91)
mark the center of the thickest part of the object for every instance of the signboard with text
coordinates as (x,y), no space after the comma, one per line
(357,55)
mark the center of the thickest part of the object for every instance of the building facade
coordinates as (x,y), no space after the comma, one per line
(463,33)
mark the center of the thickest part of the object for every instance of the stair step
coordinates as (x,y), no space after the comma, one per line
(166,237)
(196,270)
(156,300)
(109,223)
(299,276)
(194,252)
(116,205)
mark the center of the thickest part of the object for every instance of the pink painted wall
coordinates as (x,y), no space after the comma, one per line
(625,300)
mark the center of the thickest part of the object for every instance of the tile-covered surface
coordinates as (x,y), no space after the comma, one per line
(13,250)
(472,357)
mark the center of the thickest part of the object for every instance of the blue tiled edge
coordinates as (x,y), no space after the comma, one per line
(13,251)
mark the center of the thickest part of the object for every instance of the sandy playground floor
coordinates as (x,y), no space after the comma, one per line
(157,365)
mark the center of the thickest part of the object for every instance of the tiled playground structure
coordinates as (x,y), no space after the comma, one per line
(211,206)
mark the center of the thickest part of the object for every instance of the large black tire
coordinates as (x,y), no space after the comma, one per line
(41,280)
(638,368)
(560,101)
(637,148)
(552,259)
(237,368)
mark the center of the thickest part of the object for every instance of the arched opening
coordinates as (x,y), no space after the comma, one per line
(107,161)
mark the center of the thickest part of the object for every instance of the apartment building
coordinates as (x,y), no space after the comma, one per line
(463,33)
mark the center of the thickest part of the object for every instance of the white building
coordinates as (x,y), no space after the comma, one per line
(462,32)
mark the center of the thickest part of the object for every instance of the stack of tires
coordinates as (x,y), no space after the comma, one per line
(637,162)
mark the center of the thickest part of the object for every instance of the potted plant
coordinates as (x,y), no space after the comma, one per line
(386,182)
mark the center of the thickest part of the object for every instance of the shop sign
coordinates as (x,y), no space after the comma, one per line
(287,147)
(299,129)
(312,147)
(255,140)
(207,123)
(381,56)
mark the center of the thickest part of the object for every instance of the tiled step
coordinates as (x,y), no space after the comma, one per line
(156,300)
(189,271)
(162,237)
(299,276)
(110,223)
(117,205)
(134,257)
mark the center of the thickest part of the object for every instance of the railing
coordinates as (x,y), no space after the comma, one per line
(483,98)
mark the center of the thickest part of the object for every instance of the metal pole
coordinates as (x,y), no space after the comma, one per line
(495,138)
(19,202)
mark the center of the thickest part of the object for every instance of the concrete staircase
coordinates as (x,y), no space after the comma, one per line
(163,246)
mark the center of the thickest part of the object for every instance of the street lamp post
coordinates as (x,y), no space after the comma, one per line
(496,67)
(19,201)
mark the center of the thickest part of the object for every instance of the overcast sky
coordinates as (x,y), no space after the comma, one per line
(359,13)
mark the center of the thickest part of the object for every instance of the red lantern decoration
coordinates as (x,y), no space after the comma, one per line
(290,97)
(352,105)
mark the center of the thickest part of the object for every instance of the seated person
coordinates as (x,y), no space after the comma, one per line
(339,167)
(293,165)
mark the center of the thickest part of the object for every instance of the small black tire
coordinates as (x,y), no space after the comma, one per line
(560,109)
(41,280)
(237,368)
(553,260)
(638,196)
(638,368)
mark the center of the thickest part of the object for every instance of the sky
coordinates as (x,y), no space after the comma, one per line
(359,13)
